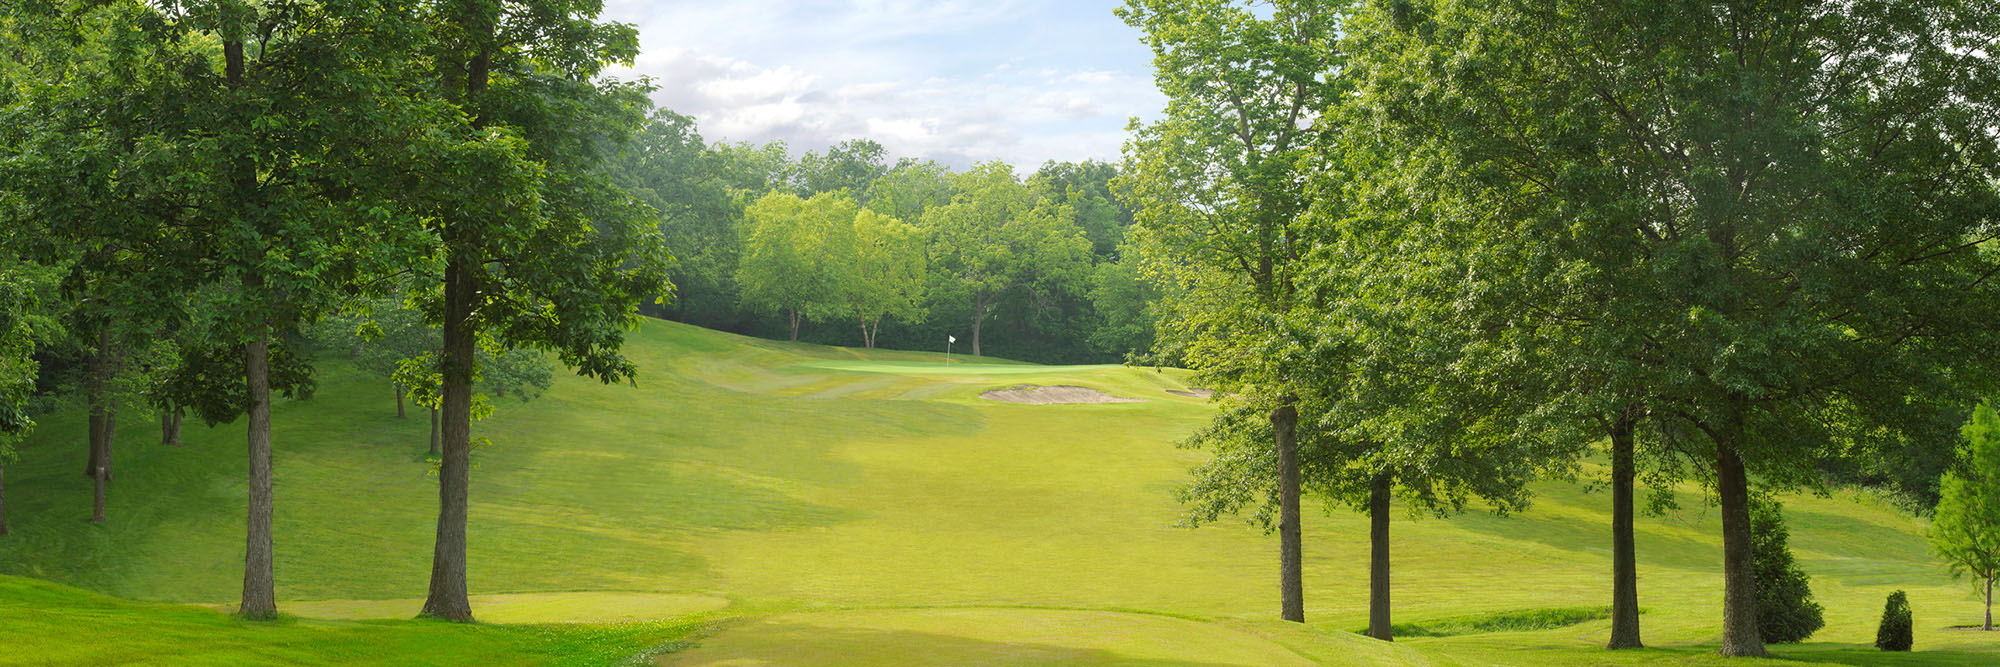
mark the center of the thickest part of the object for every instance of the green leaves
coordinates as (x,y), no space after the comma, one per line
(1965,530)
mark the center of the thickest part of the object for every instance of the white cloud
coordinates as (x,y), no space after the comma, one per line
(957,81)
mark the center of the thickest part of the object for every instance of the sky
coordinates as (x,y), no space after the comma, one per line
(958,81)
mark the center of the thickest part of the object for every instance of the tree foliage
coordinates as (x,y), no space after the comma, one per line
(1786,612)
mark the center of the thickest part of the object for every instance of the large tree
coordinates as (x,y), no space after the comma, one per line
(536,248)
(1217,188)
(1766,230)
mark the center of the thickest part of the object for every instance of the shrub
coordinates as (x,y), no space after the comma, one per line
(1894,635)
(1786,612)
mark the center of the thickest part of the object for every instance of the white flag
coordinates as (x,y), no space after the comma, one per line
(950,338)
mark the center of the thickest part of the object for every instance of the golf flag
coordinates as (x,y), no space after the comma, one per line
(950,338)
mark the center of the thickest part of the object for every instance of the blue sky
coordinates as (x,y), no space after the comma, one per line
(1023,81)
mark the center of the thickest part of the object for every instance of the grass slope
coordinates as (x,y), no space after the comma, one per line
(872,495)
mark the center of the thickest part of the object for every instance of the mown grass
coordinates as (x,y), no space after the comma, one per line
(43,623)
(792,480)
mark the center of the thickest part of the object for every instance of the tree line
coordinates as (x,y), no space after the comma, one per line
(1432,251)
(827,247)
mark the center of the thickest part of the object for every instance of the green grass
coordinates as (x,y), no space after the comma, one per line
(875,496)
(1505,621)
(43,623)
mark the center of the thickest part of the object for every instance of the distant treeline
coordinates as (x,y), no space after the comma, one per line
(839,243)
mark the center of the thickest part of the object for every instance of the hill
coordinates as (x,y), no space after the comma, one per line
(797,500)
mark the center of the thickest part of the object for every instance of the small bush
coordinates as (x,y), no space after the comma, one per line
(1786,612)
(1895,634)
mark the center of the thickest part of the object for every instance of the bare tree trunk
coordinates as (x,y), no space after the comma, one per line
(1740,636)
(436,433)
(795,324)
(448,597)
(1291,578)
(1989,577)
(259,583)
(1624,554)
(1378,558)
(399,401)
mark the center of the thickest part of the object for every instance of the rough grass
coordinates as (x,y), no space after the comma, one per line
(1520,620)
(796,479)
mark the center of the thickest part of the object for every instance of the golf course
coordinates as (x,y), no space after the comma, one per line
(759,502)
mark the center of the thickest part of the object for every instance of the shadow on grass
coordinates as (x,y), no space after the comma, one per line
(1867,654)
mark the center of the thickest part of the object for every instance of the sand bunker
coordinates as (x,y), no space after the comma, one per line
(1192,393)
(1057,395)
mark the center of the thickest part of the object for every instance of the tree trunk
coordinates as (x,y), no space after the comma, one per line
(978,318)
(96,431)
(448,596)
(259,584)
(795,325)
(259,598)
(1291,581)
(399,401)
(1740,636)
(1624,555)
(3,496)
(103,425)
(435,432)
(170,428)
(1378,558)
(1989,578)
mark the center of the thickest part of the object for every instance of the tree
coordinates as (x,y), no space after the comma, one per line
(1894,633)
(886,273)
(997,237)
(911,188)
(539,250)
(91,166)
(297,94)
(795,255)
(670,169)
(1122,299)
(1216,188)
(1723,216)
(1786,612)
(1965,530)
(23,327)
(852,166)
(1086,187)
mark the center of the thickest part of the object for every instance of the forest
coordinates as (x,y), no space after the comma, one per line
(1411,259)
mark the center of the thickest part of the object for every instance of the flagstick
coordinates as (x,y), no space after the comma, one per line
(947,351)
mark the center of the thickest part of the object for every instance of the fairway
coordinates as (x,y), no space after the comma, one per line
(778,503)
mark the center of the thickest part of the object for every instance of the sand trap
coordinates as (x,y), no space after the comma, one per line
(1057,395)
(1192,393)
